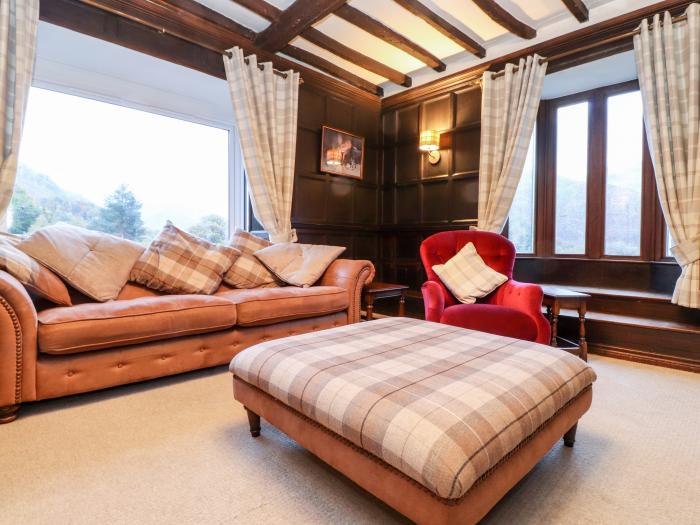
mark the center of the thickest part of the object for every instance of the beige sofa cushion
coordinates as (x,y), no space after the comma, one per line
(92,326)
(248,271)
(178,262)
(467,276)
(95,263)
(298,264)
(37,279)
(264,306)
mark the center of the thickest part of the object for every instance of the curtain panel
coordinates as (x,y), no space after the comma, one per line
(668,65)
(19,20)
(265,107)
(509,107)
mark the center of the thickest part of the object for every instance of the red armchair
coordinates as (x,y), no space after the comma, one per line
(514,309)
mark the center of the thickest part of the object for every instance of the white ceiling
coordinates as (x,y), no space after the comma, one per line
(549,17)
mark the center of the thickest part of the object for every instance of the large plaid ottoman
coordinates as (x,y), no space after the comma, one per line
(437,421)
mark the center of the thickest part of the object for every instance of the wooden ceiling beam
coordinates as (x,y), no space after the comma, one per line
(504,19)
(443,26)
(376,28)
(313,35)
(329,67)
(173,20)
(578,9)
(291,22)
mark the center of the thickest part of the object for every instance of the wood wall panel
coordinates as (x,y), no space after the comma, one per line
(464,203)
(419,198)
(434,199)
(329,209)
(466,145)
(468,107)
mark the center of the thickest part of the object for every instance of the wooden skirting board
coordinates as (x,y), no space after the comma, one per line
(644,357)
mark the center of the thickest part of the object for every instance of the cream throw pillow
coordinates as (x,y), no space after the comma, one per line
(179,262)
(94,263)
(298,264)
(467,276)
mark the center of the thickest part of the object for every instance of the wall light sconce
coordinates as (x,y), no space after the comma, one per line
(430,144)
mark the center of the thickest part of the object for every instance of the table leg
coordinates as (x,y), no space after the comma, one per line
(369,299)
(402,304)
(555,322)
(582,343)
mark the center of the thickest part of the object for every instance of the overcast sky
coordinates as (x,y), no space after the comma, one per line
(177,169)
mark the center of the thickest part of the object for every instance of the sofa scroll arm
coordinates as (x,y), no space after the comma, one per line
(18,328)
(352,275)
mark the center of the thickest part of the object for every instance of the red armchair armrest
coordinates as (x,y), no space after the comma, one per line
(433,301)
(527,298)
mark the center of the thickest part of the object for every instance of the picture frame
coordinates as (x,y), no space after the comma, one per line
(342,153)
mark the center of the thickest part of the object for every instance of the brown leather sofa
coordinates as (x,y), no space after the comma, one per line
(48,351)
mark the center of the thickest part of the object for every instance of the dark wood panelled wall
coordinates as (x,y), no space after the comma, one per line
(419,198)
(329,209)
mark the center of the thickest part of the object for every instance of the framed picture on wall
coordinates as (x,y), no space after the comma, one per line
(342,153)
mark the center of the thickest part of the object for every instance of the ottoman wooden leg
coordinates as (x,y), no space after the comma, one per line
(570,436)
(254,422)
(8,414)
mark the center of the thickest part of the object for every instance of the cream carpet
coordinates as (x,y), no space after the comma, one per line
(178,450)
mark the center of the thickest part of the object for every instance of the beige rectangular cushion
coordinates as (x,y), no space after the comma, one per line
(94,263)
(92,326)
(298,264)
(263,306)
(36,278)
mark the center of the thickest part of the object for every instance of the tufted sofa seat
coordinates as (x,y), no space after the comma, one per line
(48,351)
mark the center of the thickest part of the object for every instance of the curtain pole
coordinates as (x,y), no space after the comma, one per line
(261,67)
(611,40)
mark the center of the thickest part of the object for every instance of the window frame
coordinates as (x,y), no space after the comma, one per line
(652,232)
(236,173)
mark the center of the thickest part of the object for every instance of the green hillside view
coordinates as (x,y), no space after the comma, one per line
(38,201)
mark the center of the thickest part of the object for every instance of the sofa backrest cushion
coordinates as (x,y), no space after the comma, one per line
(37,279)
(94,263)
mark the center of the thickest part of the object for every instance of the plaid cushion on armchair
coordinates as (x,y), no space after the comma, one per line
(467,276)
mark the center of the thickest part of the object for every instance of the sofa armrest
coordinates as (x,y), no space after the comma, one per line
(527,298)
(433,301)
(351,275)
(18,328)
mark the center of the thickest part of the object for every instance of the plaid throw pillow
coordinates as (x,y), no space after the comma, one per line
(178,262)
(248,271)
(467,276)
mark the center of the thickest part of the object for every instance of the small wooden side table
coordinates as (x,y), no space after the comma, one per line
(556,298)
(379,290)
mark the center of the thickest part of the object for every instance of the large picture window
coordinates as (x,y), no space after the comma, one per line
(595,195)
(119,170)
